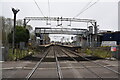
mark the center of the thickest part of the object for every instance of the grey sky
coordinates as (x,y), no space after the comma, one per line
(105,13)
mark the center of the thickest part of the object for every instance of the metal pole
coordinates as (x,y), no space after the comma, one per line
(95,32)
(90,40)
(13,43)
(15,11)
(24,23)
(44,37)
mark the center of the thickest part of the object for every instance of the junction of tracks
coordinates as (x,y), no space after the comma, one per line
(60,63)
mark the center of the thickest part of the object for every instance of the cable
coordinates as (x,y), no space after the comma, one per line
(39,8)
(49,7)
(49,11)
(86,8)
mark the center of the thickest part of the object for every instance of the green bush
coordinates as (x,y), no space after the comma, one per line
(18,54)
(88,51)
(102,52)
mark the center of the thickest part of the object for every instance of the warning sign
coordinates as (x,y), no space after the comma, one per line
(113,48)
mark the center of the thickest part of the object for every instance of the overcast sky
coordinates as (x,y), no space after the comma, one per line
(105,12)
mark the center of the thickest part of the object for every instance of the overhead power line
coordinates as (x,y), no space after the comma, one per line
(39,8)
(49,7)
(86,8)
(49,12)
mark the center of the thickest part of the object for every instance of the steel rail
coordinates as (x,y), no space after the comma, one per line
(94,62)
(60,51)
(82,65)
(60,76)
(36,66)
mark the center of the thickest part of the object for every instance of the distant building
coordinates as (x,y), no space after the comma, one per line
(42,39)
(80,41)
(111,37)
(107,38)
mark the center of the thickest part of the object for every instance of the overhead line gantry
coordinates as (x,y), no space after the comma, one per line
(93,22)
(59,19)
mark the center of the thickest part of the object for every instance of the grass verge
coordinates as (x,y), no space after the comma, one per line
(99,52)
(19,54)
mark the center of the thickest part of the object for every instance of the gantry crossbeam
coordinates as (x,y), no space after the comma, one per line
(60,19)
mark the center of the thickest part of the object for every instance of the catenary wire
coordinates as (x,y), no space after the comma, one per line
(86,9)
(39,8)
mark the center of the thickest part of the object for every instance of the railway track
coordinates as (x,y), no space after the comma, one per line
(36,66)
(60,76)
(69,57)
(72,52)
(81,64)
(93,62)
(58,69)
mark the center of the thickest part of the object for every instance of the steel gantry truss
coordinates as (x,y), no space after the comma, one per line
(93,22)
(69,31)
(58,19)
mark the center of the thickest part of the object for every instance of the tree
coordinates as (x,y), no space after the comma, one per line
(29,27)
(6,26)
(19,22)
(3,30)
(21,35)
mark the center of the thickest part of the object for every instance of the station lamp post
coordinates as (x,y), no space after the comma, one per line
(15,11)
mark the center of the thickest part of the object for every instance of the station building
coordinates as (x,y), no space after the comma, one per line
(110,37)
